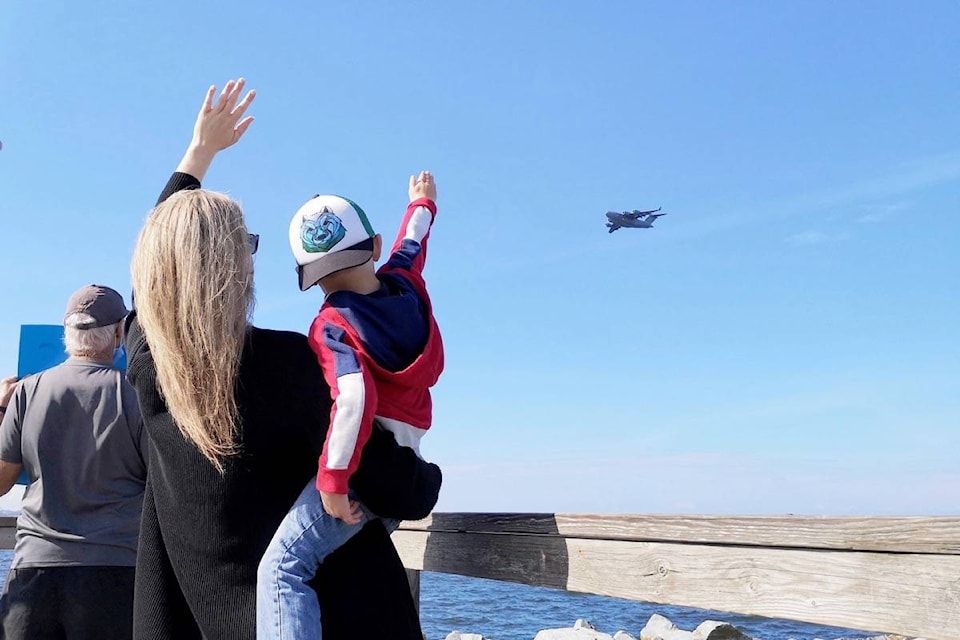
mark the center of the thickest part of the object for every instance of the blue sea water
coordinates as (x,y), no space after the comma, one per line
(505,611)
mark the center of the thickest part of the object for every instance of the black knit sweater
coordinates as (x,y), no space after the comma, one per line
(203,533)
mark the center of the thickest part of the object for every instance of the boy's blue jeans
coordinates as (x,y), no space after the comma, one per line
(287,608)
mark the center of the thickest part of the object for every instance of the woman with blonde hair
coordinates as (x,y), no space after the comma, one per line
(237,416)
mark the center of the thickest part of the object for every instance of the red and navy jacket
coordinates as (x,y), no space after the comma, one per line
(380,354)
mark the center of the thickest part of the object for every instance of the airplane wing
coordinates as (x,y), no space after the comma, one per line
(636,213)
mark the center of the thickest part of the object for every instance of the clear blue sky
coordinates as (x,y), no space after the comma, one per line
(784,341)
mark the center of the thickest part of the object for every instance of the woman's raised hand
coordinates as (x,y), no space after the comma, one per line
(219,125)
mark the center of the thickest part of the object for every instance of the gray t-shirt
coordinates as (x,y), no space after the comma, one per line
(76,429)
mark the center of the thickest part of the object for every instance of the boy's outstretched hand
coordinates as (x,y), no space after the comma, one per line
(219,125)
(341,507)
(422,186)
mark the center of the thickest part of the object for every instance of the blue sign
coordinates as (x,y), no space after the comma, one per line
(41,347)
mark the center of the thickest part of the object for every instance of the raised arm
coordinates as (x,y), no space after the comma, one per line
(409,251)
(219,125)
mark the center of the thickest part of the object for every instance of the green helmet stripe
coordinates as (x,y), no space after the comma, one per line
(363,217)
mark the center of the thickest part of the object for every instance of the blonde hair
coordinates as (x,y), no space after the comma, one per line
(192,275)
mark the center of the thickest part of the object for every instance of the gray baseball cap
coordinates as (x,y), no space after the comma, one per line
(103,305)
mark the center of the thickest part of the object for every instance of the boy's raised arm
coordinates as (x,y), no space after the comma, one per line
(409,250)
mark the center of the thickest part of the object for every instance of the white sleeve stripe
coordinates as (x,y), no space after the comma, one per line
(419,224)
(406,434)
(346,423)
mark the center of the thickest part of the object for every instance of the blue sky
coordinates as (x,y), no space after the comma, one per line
(784,341)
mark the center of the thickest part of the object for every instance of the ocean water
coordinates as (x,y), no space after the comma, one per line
(506,611)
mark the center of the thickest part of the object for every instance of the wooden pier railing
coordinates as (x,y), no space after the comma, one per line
(881,574)
(885,575)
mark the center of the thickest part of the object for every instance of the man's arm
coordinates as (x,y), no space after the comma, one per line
(7,386)
(9,435)
(9,472)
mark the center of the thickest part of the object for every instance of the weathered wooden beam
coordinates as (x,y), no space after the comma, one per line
(8,532)
(413,579)
(938,535)
(893,575)
(908,594)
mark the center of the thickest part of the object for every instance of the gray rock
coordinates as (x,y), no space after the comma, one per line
(572,634)
(456,635)
(659,627)
(582,630)
(623,635)
(713,630)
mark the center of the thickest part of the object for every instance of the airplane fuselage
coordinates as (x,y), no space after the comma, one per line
(617,220)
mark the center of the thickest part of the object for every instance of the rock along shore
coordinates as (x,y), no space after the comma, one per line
(657,628)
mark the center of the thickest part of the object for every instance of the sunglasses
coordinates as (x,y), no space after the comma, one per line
(254,239)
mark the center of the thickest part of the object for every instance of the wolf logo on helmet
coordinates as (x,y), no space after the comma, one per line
(321,231)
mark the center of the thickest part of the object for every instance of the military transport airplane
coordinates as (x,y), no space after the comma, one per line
(632,219)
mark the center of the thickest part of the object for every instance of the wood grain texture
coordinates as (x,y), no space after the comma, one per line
(908,594)
(937,535)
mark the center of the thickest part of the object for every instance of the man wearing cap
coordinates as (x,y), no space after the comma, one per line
(75,430)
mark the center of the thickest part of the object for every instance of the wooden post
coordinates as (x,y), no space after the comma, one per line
(413,577)
(8,533)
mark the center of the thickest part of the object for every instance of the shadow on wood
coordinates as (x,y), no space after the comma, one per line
(487,552)
(896,575)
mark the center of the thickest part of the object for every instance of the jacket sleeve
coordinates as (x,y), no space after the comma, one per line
(139,359)
(393,481)
(409,252)
(354,395)
(178,182)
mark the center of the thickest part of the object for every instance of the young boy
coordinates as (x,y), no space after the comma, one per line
(380,350)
